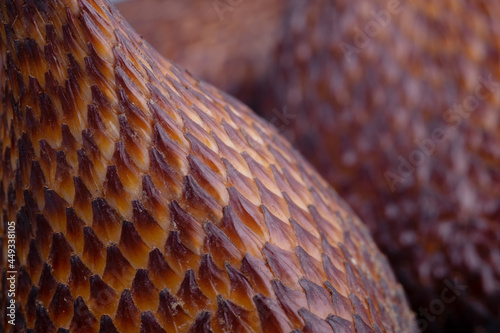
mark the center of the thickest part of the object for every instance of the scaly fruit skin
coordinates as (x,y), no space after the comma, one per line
(148,201)
(226,43)
(371,120)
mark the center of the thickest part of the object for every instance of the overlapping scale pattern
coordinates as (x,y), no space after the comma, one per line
(148,201)
(237,38)
(396,103)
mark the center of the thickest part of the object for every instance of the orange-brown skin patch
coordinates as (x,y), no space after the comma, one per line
(145,197)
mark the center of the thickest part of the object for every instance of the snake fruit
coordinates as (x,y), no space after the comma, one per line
(237,38)
(397,105)
(145,200)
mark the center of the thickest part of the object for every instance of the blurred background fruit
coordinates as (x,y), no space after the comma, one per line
(397,104)
(146,200)
(227,43)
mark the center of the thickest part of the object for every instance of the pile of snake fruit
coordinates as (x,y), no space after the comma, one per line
(137,197)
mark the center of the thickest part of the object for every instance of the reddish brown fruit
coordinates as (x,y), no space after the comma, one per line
(133,219)
(237,38)
(367,90)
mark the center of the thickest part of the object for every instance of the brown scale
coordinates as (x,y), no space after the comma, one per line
(148,201)
(236,38)
(356,114)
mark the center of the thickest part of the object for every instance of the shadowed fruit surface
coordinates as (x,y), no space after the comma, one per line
(148,201)
(397,105)
(227,43)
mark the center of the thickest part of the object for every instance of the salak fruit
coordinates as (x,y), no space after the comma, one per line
(229,44)
(397,105)
(145,200)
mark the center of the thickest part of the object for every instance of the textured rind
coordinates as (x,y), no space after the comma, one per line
(148,201)
(227,43)
(358,115)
